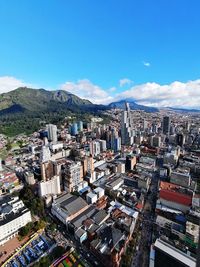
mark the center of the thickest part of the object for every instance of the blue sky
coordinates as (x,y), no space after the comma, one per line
(70,44)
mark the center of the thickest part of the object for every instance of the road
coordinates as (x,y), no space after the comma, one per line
(64,238)
(141,257)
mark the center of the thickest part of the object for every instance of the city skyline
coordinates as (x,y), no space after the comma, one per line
(103,52)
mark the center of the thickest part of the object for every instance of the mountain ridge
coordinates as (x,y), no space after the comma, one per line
(133,105)
(24,99)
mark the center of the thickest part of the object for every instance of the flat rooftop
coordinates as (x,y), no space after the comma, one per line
(175,253)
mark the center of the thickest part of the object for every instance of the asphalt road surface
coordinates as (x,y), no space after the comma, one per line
(141,257)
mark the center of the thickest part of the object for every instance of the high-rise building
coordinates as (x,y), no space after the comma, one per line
(74,129)
(45,154)
(154,128)
(180,139)
(103,146)
(52,133)
(80,126)
(130,162)
(95,148)
(156,141)
(145,125)
(126,126)
(50,187)
(88,164)
(47,170)
(167,255)
(166,125)
(117,144)
(72,174)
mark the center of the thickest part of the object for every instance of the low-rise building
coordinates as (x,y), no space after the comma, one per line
(67,207)
(175,200)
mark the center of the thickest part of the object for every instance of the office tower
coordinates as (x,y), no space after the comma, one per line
(45,154)
(145,125)
(166,125)
(130,162)
(172,130)
(126,126)
(103,146)
(95,148)
(156,141)
(117,146)
(115,141)
(52,133)
(180,139)
(154,127)
(74,129)
(187,126)
(72,175)
(80,126)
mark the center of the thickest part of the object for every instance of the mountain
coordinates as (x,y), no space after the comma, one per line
(26,100)
(184,110)
(134,106)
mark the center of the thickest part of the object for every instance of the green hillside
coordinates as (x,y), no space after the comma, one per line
(22,110)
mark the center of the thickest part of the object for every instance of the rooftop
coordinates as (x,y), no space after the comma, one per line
(70,203)
(175,253)
(177,197)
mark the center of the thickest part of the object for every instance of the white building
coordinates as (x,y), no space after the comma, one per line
(127,135)
(91,198)
(45,154)
(121,167)
(13,216)
(72,175)
(52,133)
(99,191)
(58,146)
(103,146)
(95,148)
(50,187)
(29,178)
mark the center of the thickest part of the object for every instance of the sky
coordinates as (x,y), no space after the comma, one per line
(104,50)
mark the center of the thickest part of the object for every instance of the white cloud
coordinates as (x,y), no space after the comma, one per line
(146,64)
(125,81)
(86,89)
(8,83)
(112,89)
(176,94)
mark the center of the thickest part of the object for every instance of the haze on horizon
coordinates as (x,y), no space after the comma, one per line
(103,51)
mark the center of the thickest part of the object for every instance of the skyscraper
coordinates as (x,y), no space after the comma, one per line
(74,129)
(95,148)
(166,125)
(80,126)
(126,126)
(52,133)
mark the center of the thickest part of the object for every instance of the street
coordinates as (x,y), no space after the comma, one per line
(141,257)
